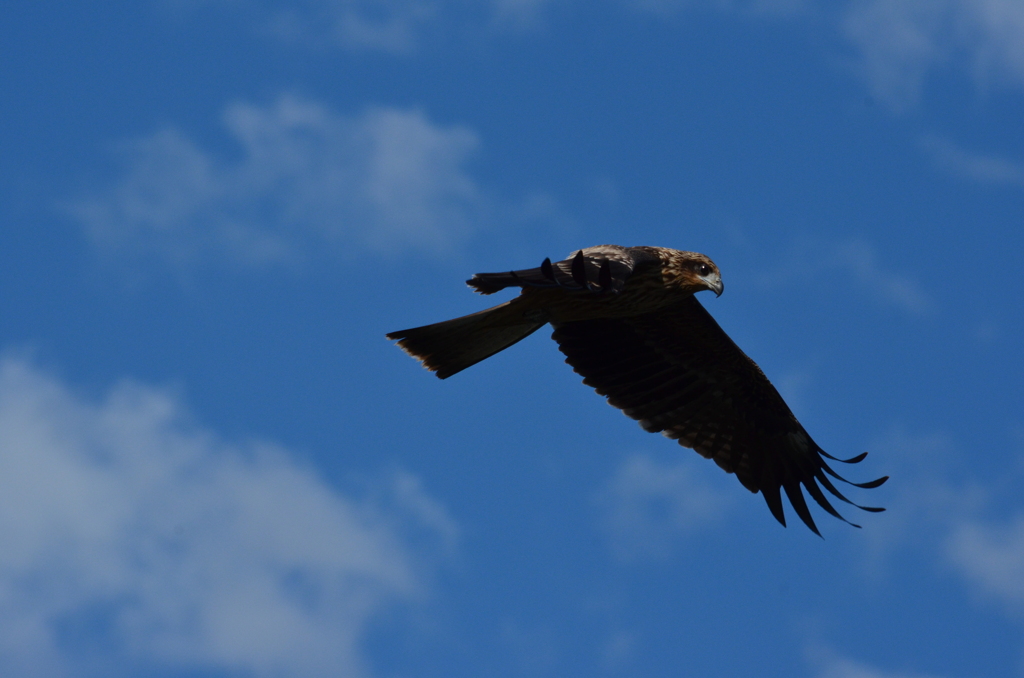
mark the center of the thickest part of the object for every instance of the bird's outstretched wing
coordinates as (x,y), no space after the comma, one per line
(678,372)
(600,269)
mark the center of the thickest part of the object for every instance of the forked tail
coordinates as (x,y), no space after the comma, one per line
(451,346)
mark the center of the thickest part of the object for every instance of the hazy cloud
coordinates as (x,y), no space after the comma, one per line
(398,27)
(983,169)
(832,666)
(991,556)
(856,262)
(745,7)
(929,492)
(897,42)
(386,25)
(165,545)
(403,27)
(886,282)
(900,41)
(648,504)
(303,179)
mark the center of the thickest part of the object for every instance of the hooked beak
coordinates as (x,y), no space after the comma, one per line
(715,282)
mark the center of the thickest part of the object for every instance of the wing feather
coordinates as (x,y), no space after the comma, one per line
(676,371)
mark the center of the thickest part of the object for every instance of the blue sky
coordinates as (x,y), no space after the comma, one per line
(213,464)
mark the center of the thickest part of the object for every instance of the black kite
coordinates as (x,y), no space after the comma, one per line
(627,320)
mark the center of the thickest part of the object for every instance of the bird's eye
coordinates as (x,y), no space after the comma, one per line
(703,269)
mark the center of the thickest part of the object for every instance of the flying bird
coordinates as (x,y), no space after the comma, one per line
(627,320)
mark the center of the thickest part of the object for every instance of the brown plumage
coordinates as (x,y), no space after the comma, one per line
(627,321)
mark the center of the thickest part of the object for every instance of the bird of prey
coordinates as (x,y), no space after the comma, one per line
(627,320)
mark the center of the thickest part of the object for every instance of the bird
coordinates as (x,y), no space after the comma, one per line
(628,321)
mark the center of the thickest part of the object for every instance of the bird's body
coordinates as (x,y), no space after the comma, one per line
(627,320)
(639,280)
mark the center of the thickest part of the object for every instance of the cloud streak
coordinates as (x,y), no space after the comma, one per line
(978,167)
(897,43)
(167,546)
(381,25)
(304,180)
(831,666)
(396,27)
(900,41)
(899,290)
(649,504)
(991,557)
(853,262)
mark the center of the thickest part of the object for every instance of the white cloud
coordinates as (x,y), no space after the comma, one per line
(744,7)
(401,27)
(304,179)
(901,41)
(384,25)
(885,281)
(128,528)
(831,666)
(898,43)
(618,650)
(851,261)
(984,169)
(928,493)
(991,557)
(649,504)
(398,27)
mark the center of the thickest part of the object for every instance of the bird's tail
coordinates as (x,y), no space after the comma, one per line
(451,346)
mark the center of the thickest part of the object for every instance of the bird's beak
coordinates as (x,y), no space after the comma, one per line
(717,285)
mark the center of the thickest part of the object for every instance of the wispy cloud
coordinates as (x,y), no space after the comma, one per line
(404,27)
(928,494)
(383,25)
(885,281)
(830,665)
(397,27)
(897,43)
(649,504)
(901,41)
(745,7)
(936,511)
(991,556)
(128,528)
(983,169)
(855,262)
(959,521)
(304,180)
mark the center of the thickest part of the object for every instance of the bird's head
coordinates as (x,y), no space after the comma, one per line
(698,273)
